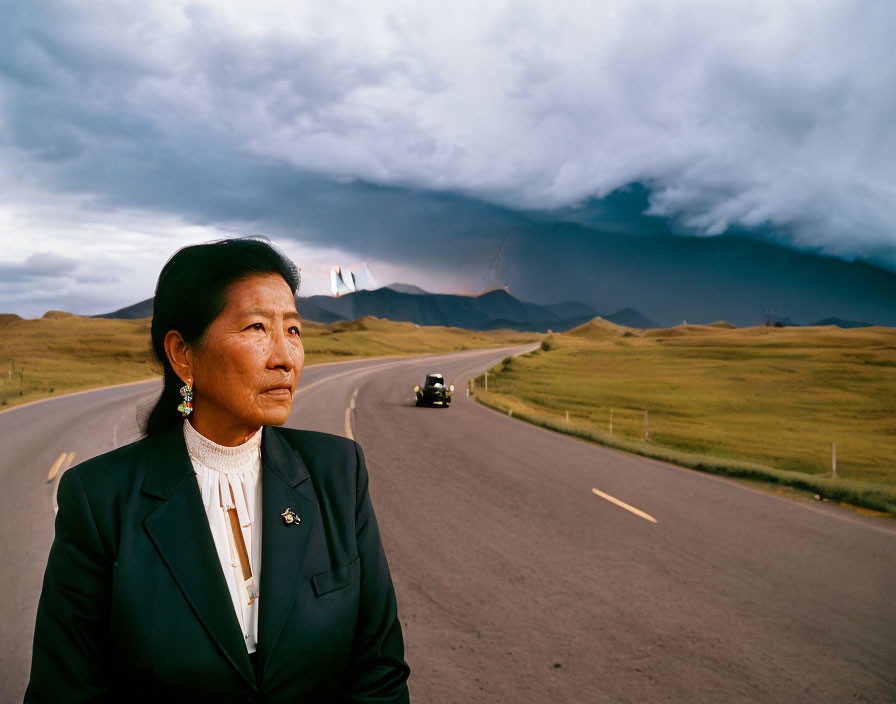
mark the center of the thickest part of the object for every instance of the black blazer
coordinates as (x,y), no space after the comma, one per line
(135,605)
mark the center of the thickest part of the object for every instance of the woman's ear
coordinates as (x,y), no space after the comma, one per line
(180,355)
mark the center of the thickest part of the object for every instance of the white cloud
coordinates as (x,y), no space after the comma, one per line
(746,113)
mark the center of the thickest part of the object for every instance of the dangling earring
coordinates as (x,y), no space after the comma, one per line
(186,408)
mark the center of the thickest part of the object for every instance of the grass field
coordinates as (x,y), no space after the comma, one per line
(762,403)
(770,397)
(62,353)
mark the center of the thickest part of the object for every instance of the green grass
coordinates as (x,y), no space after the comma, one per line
(759,402)
(62,353)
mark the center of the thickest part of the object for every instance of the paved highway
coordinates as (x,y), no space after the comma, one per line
(533,567)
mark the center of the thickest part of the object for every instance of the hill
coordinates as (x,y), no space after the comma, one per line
(631,318)
(840,323)
(8,319)
(492,310)
(406,288)
(719,397)
(137,311)
(599,328)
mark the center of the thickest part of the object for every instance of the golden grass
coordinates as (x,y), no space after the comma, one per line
(61,353)
(762,403)
(775,397)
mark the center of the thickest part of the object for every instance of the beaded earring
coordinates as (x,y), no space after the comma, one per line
(186,407)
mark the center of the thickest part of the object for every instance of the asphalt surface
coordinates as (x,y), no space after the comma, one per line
(515,580)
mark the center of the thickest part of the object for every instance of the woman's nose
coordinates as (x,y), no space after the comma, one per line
(280,352)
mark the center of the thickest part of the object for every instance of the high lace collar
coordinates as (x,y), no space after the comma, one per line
(229,460)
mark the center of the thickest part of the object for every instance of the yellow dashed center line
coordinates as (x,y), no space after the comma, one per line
(64,459)
(348,416)
(63,462)
(622,504)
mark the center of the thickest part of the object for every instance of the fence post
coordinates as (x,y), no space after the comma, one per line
(646,434)
(611,421)
(834,457)
(486,379)
(567,417)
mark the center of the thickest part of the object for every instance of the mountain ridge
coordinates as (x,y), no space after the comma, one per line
(490,310)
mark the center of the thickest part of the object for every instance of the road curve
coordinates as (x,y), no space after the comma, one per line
(516,580)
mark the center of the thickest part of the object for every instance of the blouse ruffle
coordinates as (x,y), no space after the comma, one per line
(224,472)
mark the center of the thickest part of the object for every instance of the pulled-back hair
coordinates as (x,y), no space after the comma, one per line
(191,292)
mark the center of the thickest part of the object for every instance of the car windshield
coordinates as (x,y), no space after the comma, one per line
(433,380)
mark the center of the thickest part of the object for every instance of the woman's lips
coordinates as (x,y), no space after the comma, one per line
(278,393)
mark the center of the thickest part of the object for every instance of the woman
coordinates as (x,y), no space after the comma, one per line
(220,558)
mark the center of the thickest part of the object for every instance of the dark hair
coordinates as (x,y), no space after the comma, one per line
(192,292)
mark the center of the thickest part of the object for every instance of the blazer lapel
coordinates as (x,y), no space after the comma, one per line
(285,484)
(180,531)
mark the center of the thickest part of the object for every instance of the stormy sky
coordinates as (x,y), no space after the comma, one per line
(630,153)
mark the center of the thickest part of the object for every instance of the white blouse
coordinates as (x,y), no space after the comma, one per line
(221,470)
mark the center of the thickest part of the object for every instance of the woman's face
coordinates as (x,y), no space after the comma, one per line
(246,370)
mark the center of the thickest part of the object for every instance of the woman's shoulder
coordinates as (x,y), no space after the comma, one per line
(114,465)
(313,440)
(329,458)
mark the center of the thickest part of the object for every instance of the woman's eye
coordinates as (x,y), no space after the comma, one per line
(296,330)
(257,326)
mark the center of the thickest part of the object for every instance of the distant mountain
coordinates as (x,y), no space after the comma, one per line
(631,318)
(310,310)
(840,323)
(488,311)
(406,288)
(570,309)
(143,309)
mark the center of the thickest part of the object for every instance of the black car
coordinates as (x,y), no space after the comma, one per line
(434,392)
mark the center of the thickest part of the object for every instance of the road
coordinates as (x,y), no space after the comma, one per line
(517,581)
